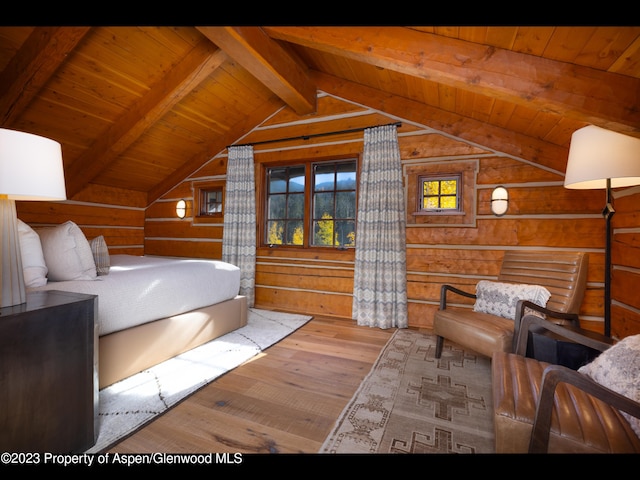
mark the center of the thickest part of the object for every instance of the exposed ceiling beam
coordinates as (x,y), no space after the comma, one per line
(31,67)
(203,59)
(475,131)
(606,99)
(269,62)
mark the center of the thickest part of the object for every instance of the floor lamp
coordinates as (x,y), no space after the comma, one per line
(30,169)
(598,159)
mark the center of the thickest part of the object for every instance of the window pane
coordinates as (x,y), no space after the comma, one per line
(295,205)
(449,187)
(277,180)
(275,232)
(323,205)
(213,201)
(277,207)
(432,188)
(346,205)
(345,233)
(346,176)
(295,232)
(296,179)
(324,178)
(448,202)
(323,231)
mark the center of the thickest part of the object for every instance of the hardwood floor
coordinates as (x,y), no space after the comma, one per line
(284,400)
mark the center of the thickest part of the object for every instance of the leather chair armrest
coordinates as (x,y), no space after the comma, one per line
(449,288)
(572,318)
(552,376)
(575,336)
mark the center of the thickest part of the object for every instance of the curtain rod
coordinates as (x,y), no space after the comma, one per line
(307,137)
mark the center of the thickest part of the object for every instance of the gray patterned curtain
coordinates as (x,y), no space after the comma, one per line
(380,278)
(239,234)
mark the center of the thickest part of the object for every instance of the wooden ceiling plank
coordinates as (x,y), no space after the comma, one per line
(33,65)
(605,46)
(532,40)
(558,87)
(178,83)
(269,62)
(629,61)
(219,143)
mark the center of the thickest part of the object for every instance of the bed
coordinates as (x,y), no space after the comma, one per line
(150,308)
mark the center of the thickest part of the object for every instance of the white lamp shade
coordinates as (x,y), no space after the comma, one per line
(596,155)
(31,167)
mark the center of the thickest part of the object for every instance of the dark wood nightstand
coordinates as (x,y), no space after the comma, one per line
(49,373)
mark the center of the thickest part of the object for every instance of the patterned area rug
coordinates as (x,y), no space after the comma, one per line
(412,403)
(133,402)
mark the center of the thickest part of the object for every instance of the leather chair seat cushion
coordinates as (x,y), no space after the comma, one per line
(482,332)
(580,423)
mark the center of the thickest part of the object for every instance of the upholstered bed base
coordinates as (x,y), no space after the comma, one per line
(124,353)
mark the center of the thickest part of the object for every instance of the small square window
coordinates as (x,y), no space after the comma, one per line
(210,201)
(440,195)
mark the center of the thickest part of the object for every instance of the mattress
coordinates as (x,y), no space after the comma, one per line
(141,289)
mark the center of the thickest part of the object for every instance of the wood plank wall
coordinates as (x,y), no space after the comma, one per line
(542,215)
(116,214)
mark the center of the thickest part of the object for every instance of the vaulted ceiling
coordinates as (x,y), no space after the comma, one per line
(141,108)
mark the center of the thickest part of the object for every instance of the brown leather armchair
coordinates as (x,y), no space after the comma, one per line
(564,274)
(545,408)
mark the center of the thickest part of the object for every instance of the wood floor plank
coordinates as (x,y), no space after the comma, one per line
(284,400)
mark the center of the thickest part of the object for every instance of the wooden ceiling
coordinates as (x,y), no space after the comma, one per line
(141,108)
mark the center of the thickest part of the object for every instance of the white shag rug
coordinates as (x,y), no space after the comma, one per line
(133,402)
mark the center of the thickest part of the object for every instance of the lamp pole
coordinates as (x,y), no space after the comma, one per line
(607,213)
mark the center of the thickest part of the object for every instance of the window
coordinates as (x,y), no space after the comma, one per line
(440,194)
(210,201)
(311,204)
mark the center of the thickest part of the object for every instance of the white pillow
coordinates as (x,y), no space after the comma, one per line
(34,267)
(618,368)
(67,253)
(501,299)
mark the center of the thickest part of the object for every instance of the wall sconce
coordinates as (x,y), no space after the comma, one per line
(499,201)
(181,208)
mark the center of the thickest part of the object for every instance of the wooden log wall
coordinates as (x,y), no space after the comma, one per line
(116,214)
(542,215)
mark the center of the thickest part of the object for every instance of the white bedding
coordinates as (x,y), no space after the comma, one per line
(140,289)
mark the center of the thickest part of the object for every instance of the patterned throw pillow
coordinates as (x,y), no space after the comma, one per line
(100,255)
(501,299)
(618,369)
